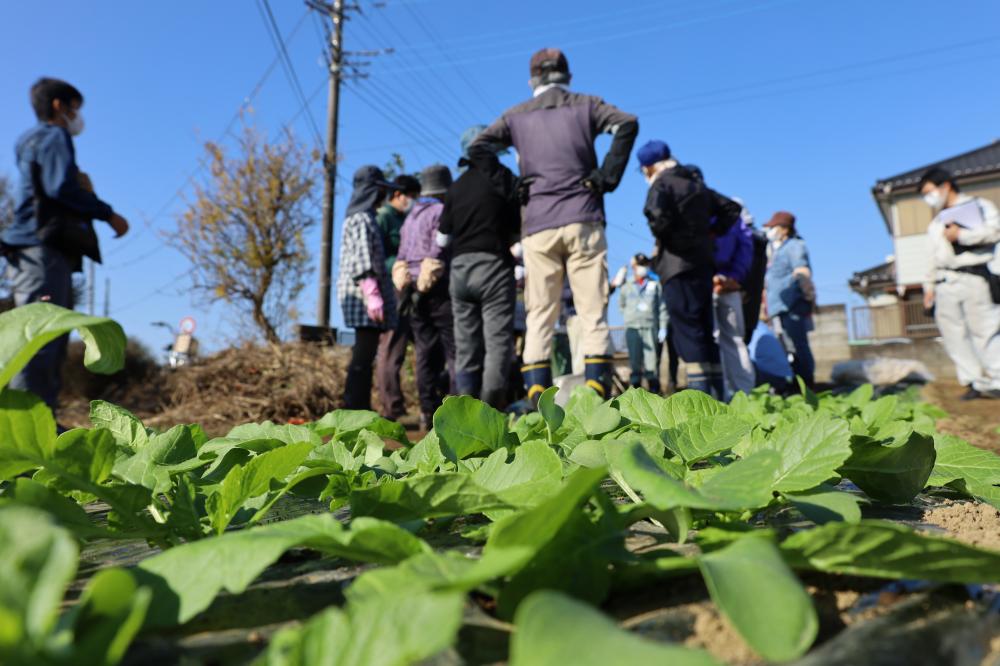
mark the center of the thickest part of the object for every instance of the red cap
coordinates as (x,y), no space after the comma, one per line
(781,219)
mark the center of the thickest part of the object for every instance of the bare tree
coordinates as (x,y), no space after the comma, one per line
(244,232)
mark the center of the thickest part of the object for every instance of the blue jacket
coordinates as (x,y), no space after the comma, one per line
(51,147)
(734,252)
(783,291)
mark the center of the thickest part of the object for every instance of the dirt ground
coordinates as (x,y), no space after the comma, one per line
(976,421)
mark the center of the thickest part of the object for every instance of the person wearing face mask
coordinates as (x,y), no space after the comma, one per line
(52,227)
(422,269)
(790,293)
(394,341)
(645,314)
(963,287)
(364,288)
(562,189)
(679,209)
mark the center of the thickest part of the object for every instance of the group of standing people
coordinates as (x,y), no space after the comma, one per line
(436,262)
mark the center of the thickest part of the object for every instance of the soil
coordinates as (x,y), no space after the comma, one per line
(976,421)
(969,522)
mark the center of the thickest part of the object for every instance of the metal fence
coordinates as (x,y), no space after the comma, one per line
(896,320)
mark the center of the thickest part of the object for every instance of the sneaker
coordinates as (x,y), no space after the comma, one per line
(992,394)
(971,394)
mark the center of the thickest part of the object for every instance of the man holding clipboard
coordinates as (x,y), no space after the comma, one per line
(963,283)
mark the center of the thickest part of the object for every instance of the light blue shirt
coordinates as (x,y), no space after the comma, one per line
(783,291)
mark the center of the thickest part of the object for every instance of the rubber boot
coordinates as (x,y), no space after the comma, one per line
(537,378)
(654,385)
(635,380)
(597,372)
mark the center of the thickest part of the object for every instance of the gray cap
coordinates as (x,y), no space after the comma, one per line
(435,179)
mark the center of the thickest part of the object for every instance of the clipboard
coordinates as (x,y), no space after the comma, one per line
(967,215)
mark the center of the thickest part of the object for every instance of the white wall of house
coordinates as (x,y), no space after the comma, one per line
(913,259)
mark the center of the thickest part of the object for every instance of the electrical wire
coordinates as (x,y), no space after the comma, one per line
(264,6)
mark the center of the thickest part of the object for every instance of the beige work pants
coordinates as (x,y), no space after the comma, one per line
(969,322)
(578,252)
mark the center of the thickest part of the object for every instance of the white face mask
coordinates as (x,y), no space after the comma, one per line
(773,235)
(74,125)
(934,199)
(640,271)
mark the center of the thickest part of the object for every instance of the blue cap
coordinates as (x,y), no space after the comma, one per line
(653,152)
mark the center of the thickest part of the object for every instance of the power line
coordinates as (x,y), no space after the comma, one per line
(264,6)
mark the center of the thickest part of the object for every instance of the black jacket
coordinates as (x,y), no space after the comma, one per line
(680,211)
(481,211)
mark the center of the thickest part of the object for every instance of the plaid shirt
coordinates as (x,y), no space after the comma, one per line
(362,256)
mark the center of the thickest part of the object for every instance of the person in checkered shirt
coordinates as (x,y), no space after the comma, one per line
(364,287)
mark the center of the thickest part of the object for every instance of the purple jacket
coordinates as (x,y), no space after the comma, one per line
(734,252)
(418,237)
(554,135)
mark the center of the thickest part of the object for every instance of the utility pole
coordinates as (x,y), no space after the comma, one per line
(336,12)
(107,297)
(91,288)
(338,64)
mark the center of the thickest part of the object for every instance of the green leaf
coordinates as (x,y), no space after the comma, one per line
(185,579)
(425,496)
(812,449)
(892,474)
(582,401)
(29,432)
(600,419)
(425,457)
(397,632)
(555,629)
(253,480)
(169,453)
(126,428)
(823,504)
(466,426)
(69,514)
(886,550)
(977,468)
(751,584)
(107,617)
(704,436)
(345,424)
(25,330)
(534,474)
(876,414)
(744,484)
(37,562)
(513,543)
(550,411)
(640,406)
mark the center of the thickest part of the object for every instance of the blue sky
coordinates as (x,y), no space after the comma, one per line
(789,104)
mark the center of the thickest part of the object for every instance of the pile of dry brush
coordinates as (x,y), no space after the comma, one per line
(251,383)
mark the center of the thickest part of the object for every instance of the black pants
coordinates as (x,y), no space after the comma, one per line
(358,387)
(433,333)
(689,304)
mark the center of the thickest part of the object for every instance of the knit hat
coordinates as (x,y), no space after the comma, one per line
(546,61)
(781,219)
(653,152)
(435,179)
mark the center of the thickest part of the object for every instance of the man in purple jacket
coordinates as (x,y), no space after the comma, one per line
(563,216)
